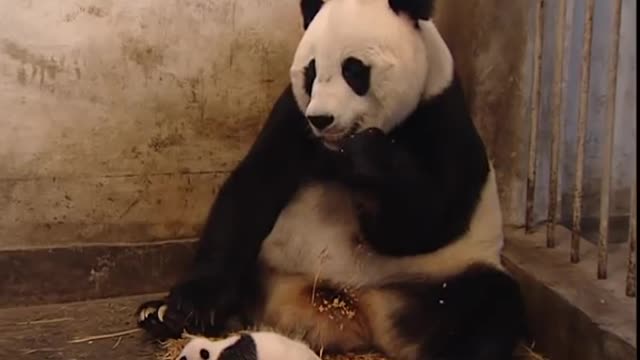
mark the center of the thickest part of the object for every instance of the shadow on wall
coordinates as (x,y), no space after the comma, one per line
(490,41)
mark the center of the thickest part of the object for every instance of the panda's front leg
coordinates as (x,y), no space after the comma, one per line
(201,304)
(223,284)
(369,157)
(395,177)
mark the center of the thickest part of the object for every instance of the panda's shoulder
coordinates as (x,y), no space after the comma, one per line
(442,126)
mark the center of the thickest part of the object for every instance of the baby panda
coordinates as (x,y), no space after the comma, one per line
(366,213)
(260,345)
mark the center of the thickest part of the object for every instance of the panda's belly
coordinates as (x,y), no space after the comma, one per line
(318,235)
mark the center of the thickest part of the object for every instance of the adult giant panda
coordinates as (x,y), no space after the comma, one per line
(369,178)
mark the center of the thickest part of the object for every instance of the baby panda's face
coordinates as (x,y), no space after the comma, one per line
(204,349)
(259,345)
(359,64)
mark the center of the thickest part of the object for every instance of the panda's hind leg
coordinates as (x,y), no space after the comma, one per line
(478,315)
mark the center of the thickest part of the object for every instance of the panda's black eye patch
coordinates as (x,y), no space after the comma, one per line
(309,76)
(357,75)
(204,354)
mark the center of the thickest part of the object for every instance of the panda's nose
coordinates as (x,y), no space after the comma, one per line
(320,121)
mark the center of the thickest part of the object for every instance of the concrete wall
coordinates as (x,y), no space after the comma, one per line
(119,119)
(491,41)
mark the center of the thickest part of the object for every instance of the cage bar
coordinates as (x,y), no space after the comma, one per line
(557,109)
(631,271)
(607,155)
(583,114)
(535,113)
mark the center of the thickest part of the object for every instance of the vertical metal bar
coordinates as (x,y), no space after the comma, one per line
(583,113)
(607,156)
(631,272)
(535,113)
(557,115)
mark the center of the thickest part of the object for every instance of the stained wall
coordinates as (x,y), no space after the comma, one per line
(119,119)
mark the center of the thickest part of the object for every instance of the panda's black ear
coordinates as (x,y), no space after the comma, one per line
(309,10)
(416,9)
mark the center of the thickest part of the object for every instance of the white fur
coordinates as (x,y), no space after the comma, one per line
(408,65)
(316,235)
(317,238)
(270,346)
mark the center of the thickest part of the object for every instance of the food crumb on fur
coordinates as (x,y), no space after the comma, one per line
(337,304)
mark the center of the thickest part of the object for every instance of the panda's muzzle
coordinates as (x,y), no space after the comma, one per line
(333,138)
(321,122)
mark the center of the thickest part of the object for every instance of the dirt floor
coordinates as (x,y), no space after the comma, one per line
(47,332)
(91,330)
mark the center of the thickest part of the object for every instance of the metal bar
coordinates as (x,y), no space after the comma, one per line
(557,116)
(583,113)
(535,113)
(631,272)
(607,156)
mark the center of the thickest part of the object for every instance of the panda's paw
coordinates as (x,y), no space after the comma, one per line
(152,317)
(206,306)
(368,154)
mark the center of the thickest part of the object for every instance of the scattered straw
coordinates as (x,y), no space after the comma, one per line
(45,321)
(34,351)
(323,257)
(173,347)
(313,289)
(525,352)
(117,343)
(104,336)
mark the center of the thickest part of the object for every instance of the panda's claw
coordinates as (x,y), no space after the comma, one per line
(145,313)
(142,316)
(157,318)
(161,312)
(147,309)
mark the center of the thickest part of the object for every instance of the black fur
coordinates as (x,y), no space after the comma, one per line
(477,315)
(357,75)
(309,10)
(416,9)
(243,349)
(222,283)
(309,76)
(427,176)
(157,329)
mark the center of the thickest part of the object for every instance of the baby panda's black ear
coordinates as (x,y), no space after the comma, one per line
(416,9)
(309,10)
